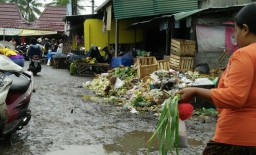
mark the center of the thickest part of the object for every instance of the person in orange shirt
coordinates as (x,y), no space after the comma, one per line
(235,96)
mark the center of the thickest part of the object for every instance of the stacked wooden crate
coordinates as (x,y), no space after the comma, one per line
(182,54)
(163,64)
(146,66)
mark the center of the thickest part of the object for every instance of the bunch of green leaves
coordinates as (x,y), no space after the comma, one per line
(123,72)
(138,101)
(168,127)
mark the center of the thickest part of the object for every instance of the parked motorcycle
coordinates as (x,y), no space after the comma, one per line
(35,65)
(16,87)
(22,49)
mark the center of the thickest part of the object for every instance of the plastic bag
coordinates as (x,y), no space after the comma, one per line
(183,139)
(6,64)
(119,83)
(203,81)
(202,68)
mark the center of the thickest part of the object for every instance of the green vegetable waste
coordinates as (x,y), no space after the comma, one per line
(72,69)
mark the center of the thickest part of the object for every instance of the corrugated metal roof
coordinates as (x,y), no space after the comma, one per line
(104,4)
(141,8)
(182,15)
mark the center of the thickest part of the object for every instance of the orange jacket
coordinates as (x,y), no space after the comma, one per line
(235,98)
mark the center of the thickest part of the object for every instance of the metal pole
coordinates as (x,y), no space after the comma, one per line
(92,6)
(3,34)
(117,37)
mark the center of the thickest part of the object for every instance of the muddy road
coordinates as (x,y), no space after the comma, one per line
(63,124)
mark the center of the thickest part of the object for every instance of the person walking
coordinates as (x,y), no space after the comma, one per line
(235,96)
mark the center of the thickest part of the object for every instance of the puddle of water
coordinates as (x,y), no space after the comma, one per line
(194,142)
(131,143)
(82,150)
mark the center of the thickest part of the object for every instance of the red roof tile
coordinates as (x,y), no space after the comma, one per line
(51,19)
(10,16)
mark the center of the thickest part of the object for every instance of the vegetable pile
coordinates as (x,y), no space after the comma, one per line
(146,94)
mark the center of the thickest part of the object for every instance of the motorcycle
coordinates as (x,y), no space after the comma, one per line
(22,49)
(35,65)
(16,87)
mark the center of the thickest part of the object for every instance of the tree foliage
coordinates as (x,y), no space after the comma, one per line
(29,8)
(76,8)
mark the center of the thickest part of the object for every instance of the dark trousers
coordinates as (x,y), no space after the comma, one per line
(215,148)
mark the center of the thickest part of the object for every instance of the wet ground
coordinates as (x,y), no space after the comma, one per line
(63,124)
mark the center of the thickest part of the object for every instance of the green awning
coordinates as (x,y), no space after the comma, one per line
(141,8)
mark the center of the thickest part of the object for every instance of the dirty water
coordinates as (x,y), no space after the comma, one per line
(63,124)
(132,143)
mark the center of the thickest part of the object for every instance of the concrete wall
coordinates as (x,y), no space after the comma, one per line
(222,3)
(93,33)
(211,58)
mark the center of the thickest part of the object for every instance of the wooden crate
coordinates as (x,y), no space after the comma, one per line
(146,66)
(146,70)
(164,64)
(183,47)
(181,63)
(146,60)
(88,69)
(59,63)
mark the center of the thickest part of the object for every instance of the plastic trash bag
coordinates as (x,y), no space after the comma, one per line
(202,68)
(119,83)
(202,81)
(6,64)
(183,139)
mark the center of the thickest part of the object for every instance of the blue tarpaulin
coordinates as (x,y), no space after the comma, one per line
(126,60)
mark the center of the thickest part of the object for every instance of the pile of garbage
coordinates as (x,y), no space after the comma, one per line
(122,87)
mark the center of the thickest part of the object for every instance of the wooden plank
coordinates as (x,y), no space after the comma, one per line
(175,61)
(175,49)
(146,70)
(175,56)
(183,47)
(163,64)
(175,41)
(175,45)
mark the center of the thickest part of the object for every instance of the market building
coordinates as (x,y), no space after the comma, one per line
(13,25)
(115,28)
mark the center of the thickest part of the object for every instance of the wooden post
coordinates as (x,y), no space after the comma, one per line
(116,37)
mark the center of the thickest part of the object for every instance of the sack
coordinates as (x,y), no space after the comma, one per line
(6,64)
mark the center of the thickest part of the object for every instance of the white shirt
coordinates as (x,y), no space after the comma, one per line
(60,47)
